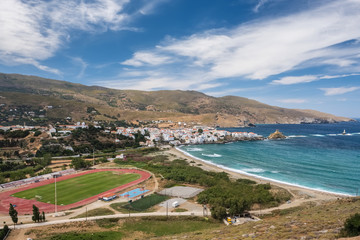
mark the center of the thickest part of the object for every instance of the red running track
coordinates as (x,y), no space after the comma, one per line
(24,206)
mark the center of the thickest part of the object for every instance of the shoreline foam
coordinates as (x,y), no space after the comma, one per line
(238,171)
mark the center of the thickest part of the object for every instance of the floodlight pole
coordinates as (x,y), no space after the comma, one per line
(93,158)
(55,197)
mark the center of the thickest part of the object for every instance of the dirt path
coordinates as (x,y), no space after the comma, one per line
(120,215)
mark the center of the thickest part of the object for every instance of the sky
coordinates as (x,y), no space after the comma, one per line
(296,54)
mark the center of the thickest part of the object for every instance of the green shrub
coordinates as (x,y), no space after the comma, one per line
(4,231)
(351,226)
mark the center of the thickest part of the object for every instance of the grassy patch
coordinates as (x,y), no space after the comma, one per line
(163,226)
(120,207)
(96,212)
(133,228)
(78,188)
(107,222)
(93,236)
(140,205)
(180,210)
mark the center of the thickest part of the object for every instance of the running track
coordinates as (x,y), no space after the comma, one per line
(24,206)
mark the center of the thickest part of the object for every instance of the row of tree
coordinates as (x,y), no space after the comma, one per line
(15,134)
(37,216)
(11,143)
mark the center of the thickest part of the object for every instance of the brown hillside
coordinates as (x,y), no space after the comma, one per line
(187,106)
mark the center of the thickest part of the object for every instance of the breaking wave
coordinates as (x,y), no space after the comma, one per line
(211,155)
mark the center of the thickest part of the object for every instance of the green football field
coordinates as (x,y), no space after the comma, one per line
(78,188)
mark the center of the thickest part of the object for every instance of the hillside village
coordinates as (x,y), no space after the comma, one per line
(152,136)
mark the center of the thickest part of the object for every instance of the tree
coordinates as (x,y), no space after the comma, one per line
(63,167)
(4,231)
(218,212)
(37,133)
(79,163)
(13,214)
(351,226)
(36,214)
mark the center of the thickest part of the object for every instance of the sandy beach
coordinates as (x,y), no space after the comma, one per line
(300,195)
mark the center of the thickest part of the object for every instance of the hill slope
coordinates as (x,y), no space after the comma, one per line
(111,104)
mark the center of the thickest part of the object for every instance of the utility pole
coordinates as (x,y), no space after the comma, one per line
(167,211)
(86,213)
(93,158)
(204,210)
(55,198)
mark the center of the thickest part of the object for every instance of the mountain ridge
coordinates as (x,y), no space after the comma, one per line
(174,105)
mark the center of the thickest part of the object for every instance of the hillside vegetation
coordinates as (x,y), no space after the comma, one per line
(73,100)
(310,221)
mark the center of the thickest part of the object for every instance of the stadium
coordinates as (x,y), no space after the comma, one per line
(73,190)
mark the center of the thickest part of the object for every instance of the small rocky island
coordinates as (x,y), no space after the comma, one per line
(277,135)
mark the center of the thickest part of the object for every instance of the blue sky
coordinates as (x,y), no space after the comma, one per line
(295,54)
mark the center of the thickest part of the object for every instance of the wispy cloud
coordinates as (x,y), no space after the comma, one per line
(295,79)
(259,5)
(147,58)
(339,90)
(232,91)
(33,31)
(259,49)
(292,100)
(149,7)
(289,80)
(160,79)
(83,65)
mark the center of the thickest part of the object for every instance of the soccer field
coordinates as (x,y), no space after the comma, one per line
(78,188)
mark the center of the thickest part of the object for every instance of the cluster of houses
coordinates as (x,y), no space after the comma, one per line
(23,127)
(195,135)
(173,136)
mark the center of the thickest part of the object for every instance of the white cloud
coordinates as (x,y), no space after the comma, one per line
(295,79)
(339,90)
(259,49)
(83,65)
(160,79)
(289,80)
(147,58)
(147,83)
(150,6)
(33,31)
(259,5)
(292,100)
(232,91)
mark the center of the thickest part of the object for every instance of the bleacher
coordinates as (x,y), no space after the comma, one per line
(36,179)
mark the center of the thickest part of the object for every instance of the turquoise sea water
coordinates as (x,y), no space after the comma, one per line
(315,156)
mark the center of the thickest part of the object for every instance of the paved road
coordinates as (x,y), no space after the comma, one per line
(54,222)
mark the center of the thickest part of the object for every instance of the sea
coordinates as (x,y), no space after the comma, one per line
(314,156)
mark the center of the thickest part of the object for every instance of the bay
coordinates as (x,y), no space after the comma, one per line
(316,156)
